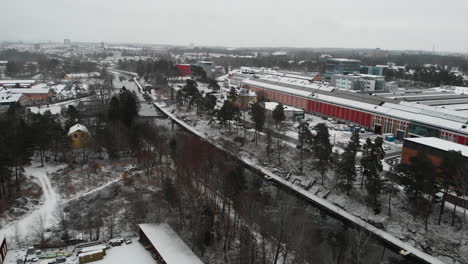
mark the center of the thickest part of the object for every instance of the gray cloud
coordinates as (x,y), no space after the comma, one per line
(396,24)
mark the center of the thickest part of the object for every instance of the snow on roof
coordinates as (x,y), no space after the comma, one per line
(82,75)
(278,88)
(29,90)
(271,106)
(440,144)
(343,60)
(9,98)
(77,127)
(16,81)
(93,248)
(90,253)
(169,245)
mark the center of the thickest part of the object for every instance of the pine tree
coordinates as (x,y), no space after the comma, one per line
(257,112)
(322,149)
(232,95)
(371,162)
(451,164)
(278,114)
(419,179)
(346,166)
(304,136)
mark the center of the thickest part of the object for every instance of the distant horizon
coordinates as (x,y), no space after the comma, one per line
(31,42)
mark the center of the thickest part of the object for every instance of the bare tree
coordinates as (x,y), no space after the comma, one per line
(63,220)
(39,229)
(17,235)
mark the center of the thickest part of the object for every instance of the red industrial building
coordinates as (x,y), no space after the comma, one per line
(184,69)
(378,114)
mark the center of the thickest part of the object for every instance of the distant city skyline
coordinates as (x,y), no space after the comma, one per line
(399,25)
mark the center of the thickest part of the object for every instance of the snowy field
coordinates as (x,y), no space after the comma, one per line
(125,254)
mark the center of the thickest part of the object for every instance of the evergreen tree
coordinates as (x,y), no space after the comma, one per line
(371,162)
(346,166)
(228,112)
(323,149)
(257,113)
(278,114)
(304,136)
(114,109)
(232,95)
(213,85)
(419,179)
(451,164)
(129,106)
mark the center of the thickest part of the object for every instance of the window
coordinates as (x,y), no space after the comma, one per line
(75,135)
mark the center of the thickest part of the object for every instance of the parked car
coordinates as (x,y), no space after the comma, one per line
(60,260)
(116,242)
(128,241)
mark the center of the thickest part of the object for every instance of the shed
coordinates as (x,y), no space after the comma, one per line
(91,256)
(166,244)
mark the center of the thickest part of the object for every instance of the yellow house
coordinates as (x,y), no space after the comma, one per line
(79,136)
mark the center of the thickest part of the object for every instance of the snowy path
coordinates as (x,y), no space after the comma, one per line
(50,200)
(93,190)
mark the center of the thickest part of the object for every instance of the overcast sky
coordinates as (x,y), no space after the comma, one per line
(386,24)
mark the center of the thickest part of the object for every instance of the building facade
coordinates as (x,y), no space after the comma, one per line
(373,70)
(358,82)
(433,148)
(342,66)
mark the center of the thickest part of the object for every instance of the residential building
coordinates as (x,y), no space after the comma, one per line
(79,136)
(246,97)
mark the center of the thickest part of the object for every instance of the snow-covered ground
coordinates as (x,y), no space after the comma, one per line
(25,225)
(125,254)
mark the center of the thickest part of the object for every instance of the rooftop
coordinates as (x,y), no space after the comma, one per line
(440,144)
(343,60)
(77,127)
(169,245)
